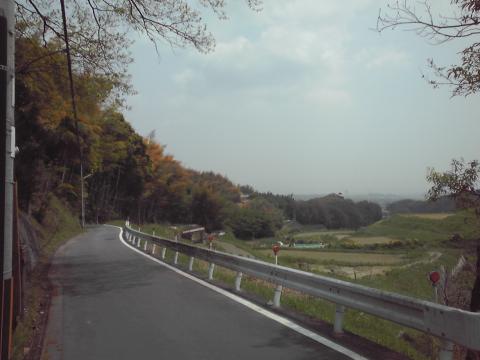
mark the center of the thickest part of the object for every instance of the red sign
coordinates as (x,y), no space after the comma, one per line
(434,277)
(276,248)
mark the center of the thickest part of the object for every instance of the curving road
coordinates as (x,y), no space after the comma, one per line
(112,303)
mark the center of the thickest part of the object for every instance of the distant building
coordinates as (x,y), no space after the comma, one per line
(195,234)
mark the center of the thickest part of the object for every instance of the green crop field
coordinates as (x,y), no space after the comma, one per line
(359,240)
(431,216)
(335,257)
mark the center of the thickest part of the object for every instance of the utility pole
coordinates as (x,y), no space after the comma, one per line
(82,184)
(7,151)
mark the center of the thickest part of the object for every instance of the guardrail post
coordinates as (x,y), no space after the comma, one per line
(190,263)
(238,281)
(145,246)
(277,295)
(175,258)
(210,271)
(154,247)
(338,323)
(164,253)
(446,350)
(139,243)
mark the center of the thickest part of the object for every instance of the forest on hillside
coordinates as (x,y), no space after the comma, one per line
(443,204)
(128,175)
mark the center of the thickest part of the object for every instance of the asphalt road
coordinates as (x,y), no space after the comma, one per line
(112,303)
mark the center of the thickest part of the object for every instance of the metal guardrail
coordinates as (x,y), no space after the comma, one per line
(447,323)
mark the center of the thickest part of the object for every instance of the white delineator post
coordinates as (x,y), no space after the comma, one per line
(277,295)
(175,258)
(210,271)
(339,315)
(238,281)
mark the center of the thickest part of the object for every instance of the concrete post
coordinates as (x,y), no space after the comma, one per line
(190,263)
(164,253)
(338,324)
(277,295)
(154,247)
(145,246)
(446,351)
(210,271)
(175,258)
(238,281)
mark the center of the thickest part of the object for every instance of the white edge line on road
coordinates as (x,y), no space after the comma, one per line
(280,319)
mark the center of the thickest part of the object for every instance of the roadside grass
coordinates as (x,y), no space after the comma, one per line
(412,280)
(162,230)
(119,223)
(59,225)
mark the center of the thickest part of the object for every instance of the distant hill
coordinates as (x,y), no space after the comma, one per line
(444,204)
(382,199)
(334,212)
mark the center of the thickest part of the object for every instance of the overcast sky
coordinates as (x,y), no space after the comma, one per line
(304,97)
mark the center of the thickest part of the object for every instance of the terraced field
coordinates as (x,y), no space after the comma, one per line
(337,257)
(432,216)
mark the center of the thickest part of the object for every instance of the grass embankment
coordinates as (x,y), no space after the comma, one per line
(58,225)
(426,231)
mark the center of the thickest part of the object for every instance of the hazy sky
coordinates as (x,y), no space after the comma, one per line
(304,97)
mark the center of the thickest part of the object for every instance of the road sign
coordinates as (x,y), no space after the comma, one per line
(434,277)
(210,239)
(276,249)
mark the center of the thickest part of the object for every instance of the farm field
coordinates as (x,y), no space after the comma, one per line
(431,216)
(317,235)
(337,257)
(359,240)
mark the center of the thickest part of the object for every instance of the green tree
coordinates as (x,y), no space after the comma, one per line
(207,208)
